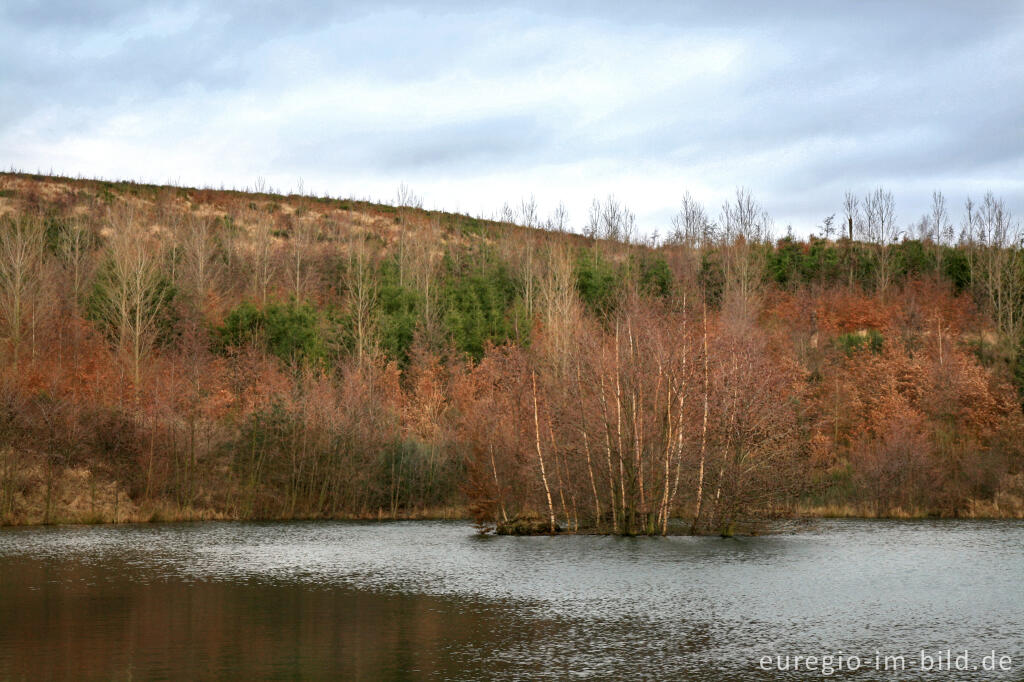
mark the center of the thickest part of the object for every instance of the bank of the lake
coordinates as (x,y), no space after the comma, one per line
(109,510)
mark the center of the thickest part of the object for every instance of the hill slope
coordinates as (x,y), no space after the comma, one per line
(184,353)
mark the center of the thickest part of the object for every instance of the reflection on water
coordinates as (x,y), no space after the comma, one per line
(432,600)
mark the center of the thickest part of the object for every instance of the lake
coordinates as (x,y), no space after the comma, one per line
(432,600)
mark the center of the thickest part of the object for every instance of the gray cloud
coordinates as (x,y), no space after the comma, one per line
(470,147)
(797,100)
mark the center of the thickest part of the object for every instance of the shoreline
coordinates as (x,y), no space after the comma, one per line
(149,516)
(454,513)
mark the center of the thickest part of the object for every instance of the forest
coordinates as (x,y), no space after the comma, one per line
(179,353)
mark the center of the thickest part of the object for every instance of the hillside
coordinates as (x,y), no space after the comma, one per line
(181,353)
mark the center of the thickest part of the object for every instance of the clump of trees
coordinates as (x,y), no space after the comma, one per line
(656,414)
(177,353)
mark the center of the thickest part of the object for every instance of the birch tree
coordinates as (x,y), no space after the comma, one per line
(132,293)
(746,229)
(691,226)
(263,266)
(201,262)
(304,235)
(75,246)
(361,291)
(21,259)
(879,229)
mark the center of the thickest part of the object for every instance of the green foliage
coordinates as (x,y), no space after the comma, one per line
(467,225)
(823,262)
(913,259)
(289,331)
(100,305)
(956,268)
(855,341)
(292,332)
(54,228)
(228,225)
(791,261)
(400,310)
(656,277)
(712,279)
(478,306)
(105,195)
(783,262)
(859,259)
(597,282)
(244,325)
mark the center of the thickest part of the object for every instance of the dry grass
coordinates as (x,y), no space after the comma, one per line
(1004,506)
(77,496)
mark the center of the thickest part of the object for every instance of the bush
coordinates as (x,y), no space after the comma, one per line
(399,314)
(913,259)
(479,307)
(655,277)
(956,268)
(712,279)
(597,282)
(854,341)
(289,331)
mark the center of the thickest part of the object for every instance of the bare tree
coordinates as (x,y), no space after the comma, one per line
(879,224)
(851,212)
(75,246)
(934,229)
(362,298)
(304,235)
(612,221)
(942,228)
(999,265)
(745,229)
(528,212)
(21,257)
(559,219)
(406,201)
(968,224)
(406,198)
(132,292)
(745,219)
(508,215)
(528,274)
(560,303)
(201,262)
(879,229)
(828,228)
(263,268)
(423,268)
(691,226)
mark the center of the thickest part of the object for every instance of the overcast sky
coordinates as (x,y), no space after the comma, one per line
(473,104)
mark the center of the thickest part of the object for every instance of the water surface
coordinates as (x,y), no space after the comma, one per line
(431,600)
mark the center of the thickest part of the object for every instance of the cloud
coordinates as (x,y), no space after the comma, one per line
(474,105)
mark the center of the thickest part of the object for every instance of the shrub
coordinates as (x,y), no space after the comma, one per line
(855,341)
(597,282)
(289,331)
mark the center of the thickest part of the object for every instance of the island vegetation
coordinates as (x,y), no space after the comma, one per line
(178,353)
